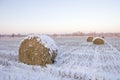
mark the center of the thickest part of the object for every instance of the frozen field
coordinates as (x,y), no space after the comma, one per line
(76,60)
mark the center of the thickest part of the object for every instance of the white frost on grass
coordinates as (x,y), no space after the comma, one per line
(77,60)
(26,72)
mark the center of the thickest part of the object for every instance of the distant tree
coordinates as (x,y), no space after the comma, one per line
(55,34)
(77,33)
(18,35)
(13,35)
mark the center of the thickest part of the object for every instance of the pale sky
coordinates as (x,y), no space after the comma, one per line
(59,16)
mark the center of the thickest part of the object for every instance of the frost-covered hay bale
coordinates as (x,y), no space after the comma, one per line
(37,50)
(89,39)
(98,41)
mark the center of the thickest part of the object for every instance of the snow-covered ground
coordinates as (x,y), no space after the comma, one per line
(76,60)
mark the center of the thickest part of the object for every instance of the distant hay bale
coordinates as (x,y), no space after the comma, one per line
(37,50)
(98,41)
(89,39)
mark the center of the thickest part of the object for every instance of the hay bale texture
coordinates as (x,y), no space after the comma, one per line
(37,50)
(98,41)
(90,39)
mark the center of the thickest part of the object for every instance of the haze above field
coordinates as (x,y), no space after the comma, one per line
(53,16)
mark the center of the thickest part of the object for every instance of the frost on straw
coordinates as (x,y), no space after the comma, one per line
(89,39)
(98,41)
(37,50)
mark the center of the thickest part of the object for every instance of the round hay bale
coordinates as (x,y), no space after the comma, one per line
(89,39)
(98,41)
(37,50)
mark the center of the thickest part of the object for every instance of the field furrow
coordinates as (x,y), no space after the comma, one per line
(77,59)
